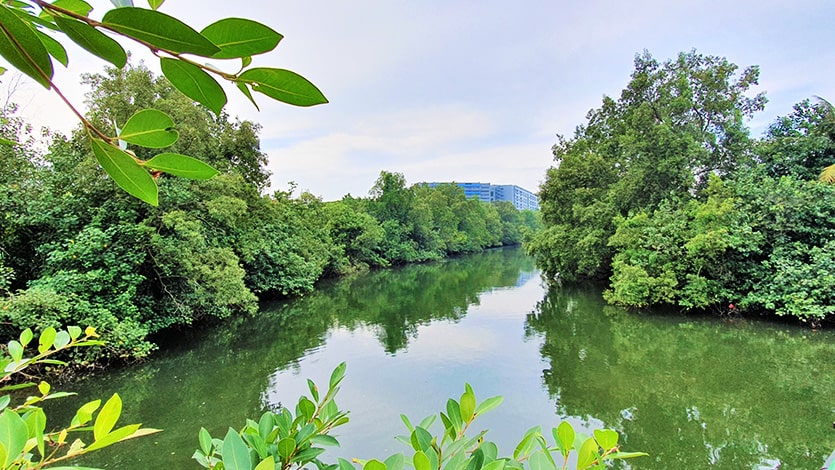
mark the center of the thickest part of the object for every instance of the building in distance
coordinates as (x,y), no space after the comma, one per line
(520,197)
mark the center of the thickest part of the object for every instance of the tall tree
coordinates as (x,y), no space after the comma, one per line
(675,123)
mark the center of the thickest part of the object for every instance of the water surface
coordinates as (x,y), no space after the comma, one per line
(693,392)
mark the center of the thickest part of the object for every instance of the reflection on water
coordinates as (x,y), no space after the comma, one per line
(693,393)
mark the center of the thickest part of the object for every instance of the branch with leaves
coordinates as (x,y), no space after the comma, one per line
(27,28)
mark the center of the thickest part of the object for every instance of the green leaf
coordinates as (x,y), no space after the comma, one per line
(374,465)
(125,432)
(540,461)
(126,172)
(54,48)
(344,464)
(245,90)
(155,4)
(324,440)
(13,436)
(395,462)
(488,405)
(286,447)
(526,444)
(626,455)
(85,413)
(159,30)
(266,464)
(93,40)
(467,405)
(78,7)
(26,336)
(46,340)
(149,128)
(564,434)
(421,461)
(408,423)
(238,38)
(62,339)
(587,454)
(74,331)
(421,439)
(283,85)
(21,47)
(36,424)
(307,455)
(108,415)
(205,441)
(15,350)
(314,390)
(181,165)
(44,388)
(606,438)
(4,401)
(122,3)
(195,83)
(235,452)
(337,375)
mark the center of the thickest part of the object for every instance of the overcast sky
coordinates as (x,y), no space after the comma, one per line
(446,90)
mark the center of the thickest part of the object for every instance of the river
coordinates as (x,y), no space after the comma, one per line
(692,392)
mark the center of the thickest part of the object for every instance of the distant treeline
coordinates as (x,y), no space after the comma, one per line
(76,250)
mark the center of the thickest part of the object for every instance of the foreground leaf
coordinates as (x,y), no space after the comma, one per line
(93,40)
(126,172)
(239,38)
(283,85)
(21,47)
(182,165)
(195,83)
(159,30)
(149,128)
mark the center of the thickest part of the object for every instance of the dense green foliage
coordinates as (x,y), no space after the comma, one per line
(664,194)
(77,250)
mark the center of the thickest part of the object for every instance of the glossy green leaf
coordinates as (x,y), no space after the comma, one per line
(93,40)
(374,465)
(182,166)
(454,413)
(117,435)
(195,83)
(149,128)
(286,447)
(421,439)
(540,461)
(21,47)
(55,49)
(467,405)
(44,388)
(36,424)
(606,438)
(587,454)
(79,7)
(488,405)
(564,434)
(126,172)
(344,464)
(337,375)
(421,461)
(205,441)
(108,415)
(4,402)
(235,452)
(238,38)
(74,332)
(324,440)
(266,464)
(314,390)
(308,455)
(47,339)
(245,90)
(15,350)
(26,336)
(159,30)
(13,435)
(526,444)
(62,338)
(283,85)
(155,4)
(407,422)
(395,462)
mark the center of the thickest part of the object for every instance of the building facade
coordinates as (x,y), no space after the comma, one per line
(520,197)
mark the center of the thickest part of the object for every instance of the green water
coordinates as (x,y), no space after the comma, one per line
(692,392)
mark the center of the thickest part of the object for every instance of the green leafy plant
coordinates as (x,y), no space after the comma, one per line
(27,43)
(25,442)
(280,441)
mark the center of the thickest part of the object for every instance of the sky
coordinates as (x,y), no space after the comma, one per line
(470,91)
